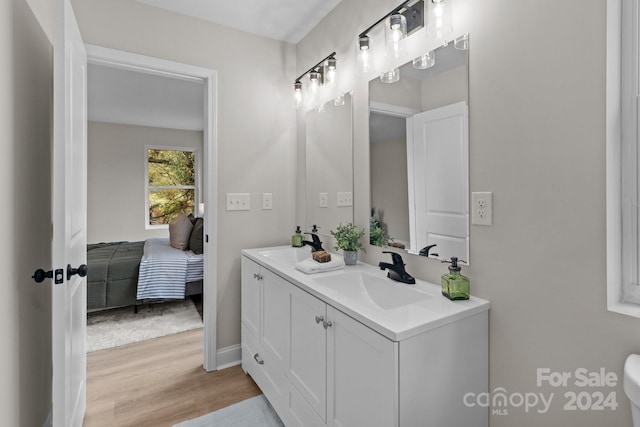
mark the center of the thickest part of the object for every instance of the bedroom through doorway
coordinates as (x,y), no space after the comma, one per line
(151,162)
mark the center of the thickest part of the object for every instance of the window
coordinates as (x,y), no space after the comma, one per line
(623,166)
(171,184)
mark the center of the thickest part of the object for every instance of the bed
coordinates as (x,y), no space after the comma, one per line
(132,273)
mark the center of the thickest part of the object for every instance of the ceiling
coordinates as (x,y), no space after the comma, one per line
(284,20)
(134,98)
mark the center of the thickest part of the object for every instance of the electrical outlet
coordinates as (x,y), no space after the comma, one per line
(482,208)
(267,201)
(345,198)
(238,201)
(323,201)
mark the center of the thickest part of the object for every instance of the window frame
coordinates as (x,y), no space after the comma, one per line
(196,187)
(622,161)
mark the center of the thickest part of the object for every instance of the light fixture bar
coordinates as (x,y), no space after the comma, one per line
(330,56)
(415,19)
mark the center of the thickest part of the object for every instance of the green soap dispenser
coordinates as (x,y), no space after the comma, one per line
(296,239)
(455,286)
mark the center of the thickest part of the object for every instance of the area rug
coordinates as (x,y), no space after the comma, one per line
(112,328)
(254,412)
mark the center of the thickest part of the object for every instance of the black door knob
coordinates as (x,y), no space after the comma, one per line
(80,271)
(40,275)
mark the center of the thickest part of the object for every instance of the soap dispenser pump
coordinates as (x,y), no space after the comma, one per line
(296,239)
(455,286)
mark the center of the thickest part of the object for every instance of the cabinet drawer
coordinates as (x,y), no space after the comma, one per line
(264,371)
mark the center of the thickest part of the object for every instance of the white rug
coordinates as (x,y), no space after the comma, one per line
(254,412)
(112,328)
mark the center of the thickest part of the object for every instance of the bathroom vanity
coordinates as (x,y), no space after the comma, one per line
(353,348)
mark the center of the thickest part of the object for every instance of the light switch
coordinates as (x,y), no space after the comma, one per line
(238,201)
(345,198)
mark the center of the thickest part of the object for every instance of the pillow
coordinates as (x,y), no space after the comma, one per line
(196,239)
(180,231)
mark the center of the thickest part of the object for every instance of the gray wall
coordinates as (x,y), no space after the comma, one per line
(26,64)
(116,178)
(255,123)
(537,140)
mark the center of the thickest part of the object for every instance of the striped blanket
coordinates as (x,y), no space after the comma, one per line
(164,270)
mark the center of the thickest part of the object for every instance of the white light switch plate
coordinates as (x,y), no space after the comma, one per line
(323,200)
(267,201)
(238,201)
(482,208)
(345,198)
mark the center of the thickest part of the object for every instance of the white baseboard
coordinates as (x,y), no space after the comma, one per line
(229,356)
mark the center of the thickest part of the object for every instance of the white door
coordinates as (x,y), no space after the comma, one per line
(441,181)
(69,216)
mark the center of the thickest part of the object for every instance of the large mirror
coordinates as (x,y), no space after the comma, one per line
(418,131)
(329,165)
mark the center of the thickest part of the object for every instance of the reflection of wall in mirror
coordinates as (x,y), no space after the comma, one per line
(329,163)
(389,189)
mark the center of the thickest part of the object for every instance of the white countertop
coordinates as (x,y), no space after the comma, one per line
(429,311)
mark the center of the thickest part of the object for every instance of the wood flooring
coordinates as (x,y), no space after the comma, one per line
(159,382)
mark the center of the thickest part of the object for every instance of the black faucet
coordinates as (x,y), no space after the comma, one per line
(316,244)
(425,251)
(396,270)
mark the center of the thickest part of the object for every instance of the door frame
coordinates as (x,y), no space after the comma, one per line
(161,67)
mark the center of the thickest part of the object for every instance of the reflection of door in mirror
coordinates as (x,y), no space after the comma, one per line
(419,160)
(329,165)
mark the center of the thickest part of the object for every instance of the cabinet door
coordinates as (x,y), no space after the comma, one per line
(362,375)
(250,296)
(275,316)
(307,363)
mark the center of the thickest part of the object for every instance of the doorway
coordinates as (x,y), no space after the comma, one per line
(157,67)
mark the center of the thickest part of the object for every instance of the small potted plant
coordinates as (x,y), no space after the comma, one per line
(348,239)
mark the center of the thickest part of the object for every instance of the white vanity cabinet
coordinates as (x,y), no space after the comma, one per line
(343,369)
(321,363)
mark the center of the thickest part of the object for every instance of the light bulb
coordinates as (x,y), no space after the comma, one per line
(390,76)
(314,82)
(297,93)
(363,56)
(330,76)
(395,33)
(439,23)
(425,61)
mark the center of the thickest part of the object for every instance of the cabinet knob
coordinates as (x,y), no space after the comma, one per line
(257,276)
(327,324)
(319,319)
(256,357)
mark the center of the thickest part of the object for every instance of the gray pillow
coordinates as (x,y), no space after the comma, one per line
(196,239)
(180,232)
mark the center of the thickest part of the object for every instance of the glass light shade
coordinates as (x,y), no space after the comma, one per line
(330,73)
(297,94)
(462,42)
(425,61)
(395,33)
(390,76)
(439,19)
(363,54)
(314,82)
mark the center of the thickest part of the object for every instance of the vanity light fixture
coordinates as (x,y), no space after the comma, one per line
(324,72)
(425,61)
(401,22)
(462,42)
(390,76)
(439,20)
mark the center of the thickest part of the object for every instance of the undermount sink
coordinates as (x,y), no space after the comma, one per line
(288,256)
(366,288)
